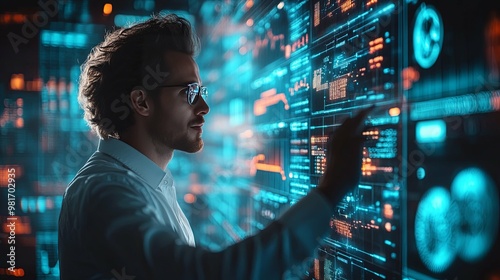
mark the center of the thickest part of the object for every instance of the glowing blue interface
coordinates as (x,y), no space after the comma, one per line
(283,75)
(427,205)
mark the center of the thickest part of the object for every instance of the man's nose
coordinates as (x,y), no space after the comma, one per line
(202,107)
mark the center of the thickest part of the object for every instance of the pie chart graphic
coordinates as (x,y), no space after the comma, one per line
(428,36)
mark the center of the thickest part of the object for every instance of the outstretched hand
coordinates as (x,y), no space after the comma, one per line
(343,158)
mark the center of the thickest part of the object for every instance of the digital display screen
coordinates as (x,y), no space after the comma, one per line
(427,205)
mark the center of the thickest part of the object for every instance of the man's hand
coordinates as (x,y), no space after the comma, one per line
(343,158)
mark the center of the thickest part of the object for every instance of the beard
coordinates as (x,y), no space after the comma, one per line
(192,146)
(181,139)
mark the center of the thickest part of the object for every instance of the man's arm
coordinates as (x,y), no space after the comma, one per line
(343,158)
(124,232)
(130,237)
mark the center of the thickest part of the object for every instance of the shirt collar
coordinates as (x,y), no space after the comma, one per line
(137,162)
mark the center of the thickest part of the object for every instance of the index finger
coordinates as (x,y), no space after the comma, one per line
(358,120)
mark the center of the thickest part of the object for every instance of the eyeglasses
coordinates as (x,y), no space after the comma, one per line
(193,92)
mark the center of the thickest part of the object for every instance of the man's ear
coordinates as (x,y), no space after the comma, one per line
(140,102)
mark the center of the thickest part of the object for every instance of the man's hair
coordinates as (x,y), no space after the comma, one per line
(128,58)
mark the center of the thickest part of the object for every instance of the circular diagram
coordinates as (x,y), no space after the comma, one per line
(477,198)
(435,222)
(427,36)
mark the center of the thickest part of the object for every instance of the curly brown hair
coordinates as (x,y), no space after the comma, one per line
(127,58)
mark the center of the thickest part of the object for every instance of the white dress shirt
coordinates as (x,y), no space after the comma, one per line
(120,220)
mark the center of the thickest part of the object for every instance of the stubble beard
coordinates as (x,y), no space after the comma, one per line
(163,139)
(193,147)
(185,143)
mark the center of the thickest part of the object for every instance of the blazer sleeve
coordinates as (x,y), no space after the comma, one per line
(122,231)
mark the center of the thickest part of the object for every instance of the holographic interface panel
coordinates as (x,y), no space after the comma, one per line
(427,205)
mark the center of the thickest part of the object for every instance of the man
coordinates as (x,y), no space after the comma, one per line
(142,94)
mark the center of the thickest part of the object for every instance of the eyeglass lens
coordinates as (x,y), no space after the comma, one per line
(194,91)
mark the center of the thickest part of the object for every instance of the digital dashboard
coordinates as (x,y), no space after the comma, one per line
(427,205)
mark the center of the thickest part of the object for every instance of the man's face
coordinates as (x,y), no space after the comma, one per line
(175,123)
